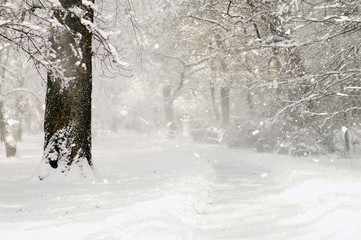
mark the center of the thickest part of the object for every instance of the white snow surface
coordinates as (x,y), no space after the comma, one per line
(155,188)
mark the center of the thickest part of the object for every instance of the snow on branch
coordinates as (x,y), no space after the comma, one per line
(28,25)
(210,21)
(104,38)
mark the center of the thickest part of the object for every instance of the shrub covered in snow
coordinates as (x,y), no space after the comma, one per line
(282,138)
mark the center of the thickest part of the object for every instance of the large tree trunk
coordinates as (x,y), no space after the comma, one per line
(68,98)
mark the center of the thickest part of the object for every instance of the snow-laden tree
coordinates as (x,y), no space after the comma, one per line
(297,63)
(68,97)
(163,40)
(331,44)
(58,35)
(291,67)
(61,36)
(20,106)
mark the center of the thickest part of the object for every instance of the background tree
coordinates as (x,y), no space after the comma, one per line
(20,107)
(275,75)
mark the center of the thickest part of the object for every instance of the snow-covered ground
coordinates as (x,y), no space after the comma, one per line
(155,188)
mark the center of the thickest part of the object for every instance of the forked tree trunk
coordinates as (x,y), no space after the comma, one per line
(68,98)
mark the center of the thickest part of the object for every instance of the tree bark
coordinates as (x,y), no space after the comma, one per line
(67,123)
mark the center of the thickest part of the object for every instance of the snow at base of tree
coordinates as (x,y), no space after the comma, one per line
(153,187)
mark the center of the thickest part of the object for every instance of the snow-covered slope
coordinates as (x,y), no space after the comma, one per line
(152,187)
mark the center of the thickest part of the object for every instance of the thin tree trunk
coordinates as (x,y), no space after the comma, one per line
(3,60)
(9,142)
(225,106)
(168,109)
(213,96)
(6,134)
(2,121)
(345,122)
(67,123)
(18,130)
(347,138)
(19,104)
(346,131)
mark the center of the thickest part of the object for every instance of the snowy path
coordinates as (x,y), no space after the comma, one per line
(265,196)
(146,188)
(151,188)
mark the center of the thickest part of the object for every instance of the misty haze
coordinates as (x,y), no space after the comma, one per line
(180,119)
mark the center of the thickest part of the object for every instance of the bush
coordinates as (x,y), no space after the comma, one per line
(250,134)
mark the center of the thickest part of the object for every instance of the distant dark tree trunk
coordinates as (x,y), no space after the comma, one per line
(10,150)
(347,141)
(6,133)
(345,122)
(18,130)
(9,142)
(2,121)
(168,108)
(3,60)
(68,99)
(214,103)
(225,106)
(19,104)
